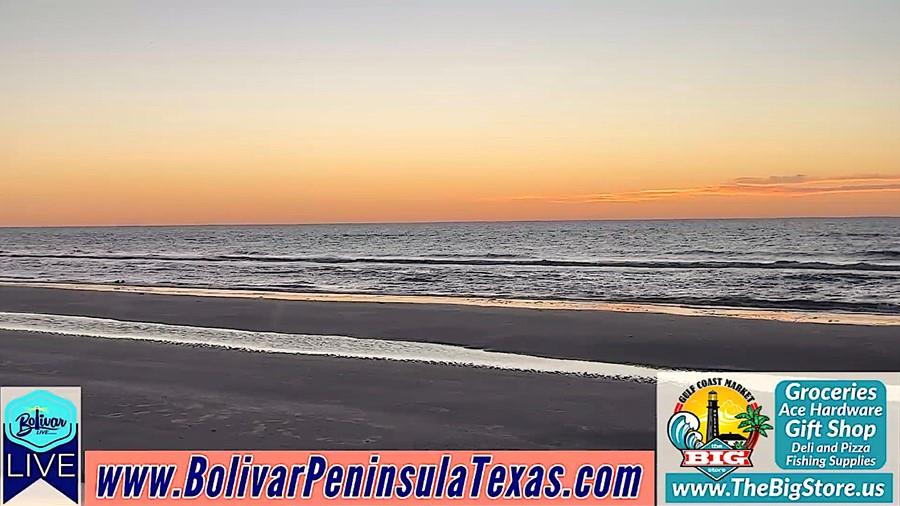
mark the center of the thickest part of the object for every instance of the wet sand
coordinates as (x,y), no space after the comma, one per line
(663,340)
(141,395)
(166,396)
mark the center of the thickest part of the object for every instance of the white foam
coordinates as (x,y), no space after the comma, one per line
(362,348)
(309,344)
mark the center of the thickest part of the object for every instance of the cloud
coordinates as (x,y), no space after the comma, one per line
(798,185)
(799,178)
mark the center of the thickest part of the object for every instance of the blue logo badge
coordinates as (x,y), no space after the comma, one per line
(40,421)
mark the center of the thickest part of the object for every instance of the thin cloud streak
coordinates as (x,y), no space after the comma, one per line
(773,186)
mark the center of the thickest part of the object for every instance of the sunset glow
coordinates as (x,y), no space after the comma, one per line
(300,112)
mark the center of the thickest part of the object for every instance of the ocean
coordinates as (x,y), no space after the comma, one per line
(850,265)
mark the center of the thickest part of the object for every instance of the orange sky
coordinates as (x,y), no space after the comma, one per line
(128,114)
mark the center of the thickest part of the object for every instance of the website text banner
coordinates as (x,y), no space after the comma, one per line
(778,438)
(369,477)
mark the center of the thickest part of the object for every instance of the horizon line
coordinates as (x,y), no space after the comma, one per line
(448,222)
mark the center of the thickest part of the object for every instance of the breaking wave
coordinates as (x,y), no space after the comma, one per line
(483,261)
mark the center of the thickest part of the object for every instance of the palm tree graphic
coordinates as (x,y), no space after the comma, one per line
(754,423)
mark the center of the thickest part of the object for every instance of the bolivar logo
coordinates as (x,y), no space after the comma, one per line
(40,421)
(41,445)
(716,425)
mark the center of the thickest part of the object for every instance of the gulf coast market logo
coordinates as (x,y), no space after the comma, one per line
(40,442)
(716,425)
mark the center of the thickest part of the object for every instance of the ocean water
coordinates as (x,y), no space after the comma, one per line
(829,264)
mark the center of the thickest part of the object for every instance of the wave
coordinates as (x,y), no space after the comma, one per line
(840,233)
(780,304)
(529,262)
(833,310)
(827,277)
(886,253)
(483,255)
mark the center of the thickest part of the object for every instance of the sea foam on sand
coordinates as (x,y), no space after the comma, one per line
(309,344)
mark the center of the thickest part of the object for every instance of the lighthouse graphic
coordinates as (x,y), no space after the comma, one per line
(712,416)
(712,424)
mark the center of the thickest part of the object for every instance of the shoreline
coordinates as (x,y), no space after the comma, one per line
(508,362)
(150,394)
(317,345)
(778,315)
(632,338)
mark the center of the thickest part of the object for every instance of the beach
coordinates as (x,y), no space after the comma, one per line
(158,395)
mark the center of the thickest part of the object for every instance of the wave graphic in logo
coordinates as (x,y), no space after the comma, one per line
(684,431)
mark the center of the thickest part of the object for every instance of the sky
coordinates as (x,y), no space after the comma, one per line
(195,112)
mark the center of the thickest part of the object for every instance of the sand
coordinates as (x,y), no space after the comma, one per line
(165,396)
